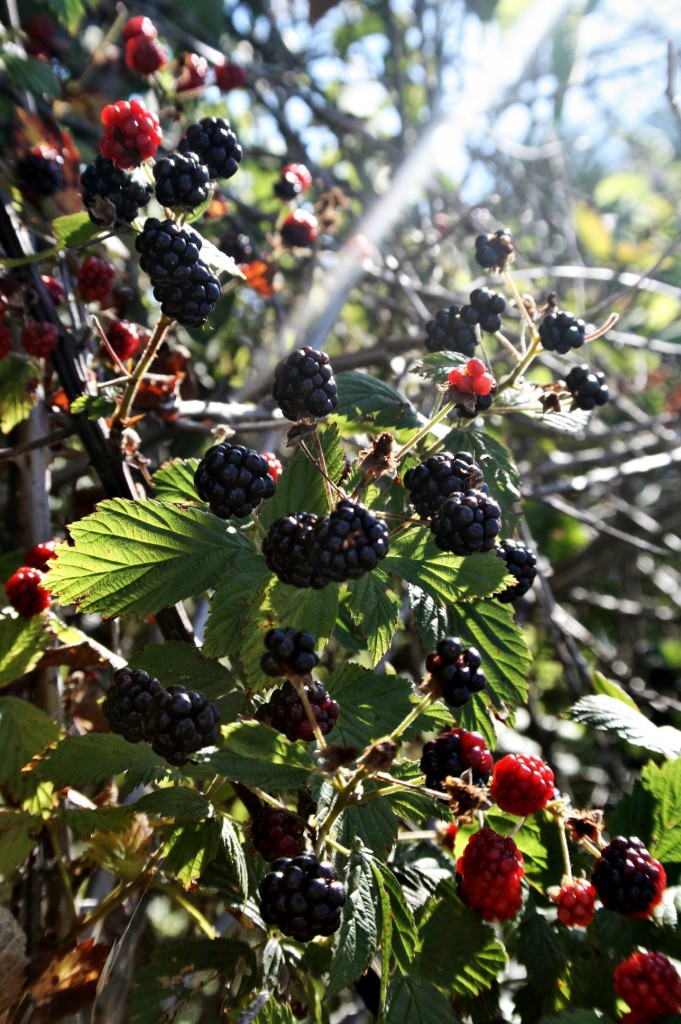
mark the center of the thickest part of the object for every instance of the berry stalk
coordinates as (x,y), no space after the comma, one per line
(146,359)
(424,430)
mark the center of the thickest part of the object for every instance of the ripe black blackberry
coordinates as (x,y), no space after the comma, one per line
(238,246)
(348,542)
(233,479)
(454,753)
(627,879)
(304,385)
(457,670)
(289,652)
(303,897)
(111,196)
(276,833)
(191,300)
(466,522)
(284,712)
(561,332)
(521,562)
(186,721)
(288,549)
(41,172)
(488,306)
(167,251)
(129,705)
(587,387)
(495,251)
(449,332)
(439,476)
(215,144)
(182,181)
(287,187)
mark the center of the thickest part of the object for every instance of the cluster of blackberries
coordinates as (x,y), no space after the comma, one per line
(560,331)
(627,879)
(112,197)
(233,480)
(306,550)
(175,721)
(495,251)
(277,833)
(453,329)
(457,670)
(466,522)
(471,388)
(304,385)
(431,482)
(587,387)
(521,562)
(182,282)
(289,652)
(285,712)
(456,753)
(303,897)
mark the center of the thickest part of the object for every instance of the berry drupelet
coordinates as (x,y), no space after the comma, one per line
(304,385)
(434,480)
(495,251)
(650,985)
(129,705)
(521,784)
(39,556)
(144,55)
(182,182)
(289,652)
(215,144)
(131,133)
(457,670)
(587,387)
(111,196)
(288,549)
(276,833)
(95,279)
(39,338)
(139,25)
(466,522)
(456,753)
(490,874)
(560,332)
(25,592)
(303,897)
(273,465)
(299,229)
(233,480)
(284,711)
(449,332)
(575,902)
(521,562)
(349,542)
(627,879)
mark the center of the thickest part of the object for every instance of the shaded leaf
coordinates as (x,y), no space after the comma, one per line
(70,12)
(235,854)
(22,642)
(25,732)
(17,396)
(613,715)
(174,480)
(357,938)
(375,608)
(18,835)
(183,665)
(372,704)
(404,935)
(372,821)
(74,229)
(360,396)
(538,947)
(94,406)
(258,756)
(241,589)
(300,487)
(31,74)
(413,1000)
(79,760)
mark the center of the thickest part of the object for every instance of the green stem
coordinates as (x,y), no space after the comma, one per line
(564,849)
(178,896)
(146,359)
(299,687)
(411,717)
(532,351)
(322,463)
(433,421)
(513,288)
(52,831)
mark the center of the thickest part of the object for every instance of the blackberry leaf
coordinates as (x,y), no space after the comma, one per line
(258,756)
(374,823)
(300,487)
(25,732)
(186,666)
(413,1000)
(190,848)
(174,481)
(405,936)
(357,939)
(375,609)
(361,395)
(613,715)
(22,642)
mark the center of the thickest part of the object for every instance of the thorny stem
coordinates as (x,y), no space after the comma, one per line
(565,849)
(146,359)
(433,421)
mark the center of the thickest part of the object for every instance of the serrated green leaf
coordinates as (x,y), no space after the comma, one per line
(18,835)
(499,470)
(25,732)
(234,853)
(256,755)
(446,578)
(603,685)
(475,716)
(83,821)
(372,704)
(94,406)
(384,920)
(663,782)
(141,556)
(357,938)
(375,609)
(421,867)
(271,959)
(437,365)
(22,642)
(185,665)
(234,598)
(174,480)
(31,74)
(538,947)
(274,1013)
(74,229)
(404,935)
(360,396)
(300,487)
(415,1001)
(218,261)
(175,802)
(189,849)
(612,715)
(372,821)
(471,958)
(17,391)
(80,760)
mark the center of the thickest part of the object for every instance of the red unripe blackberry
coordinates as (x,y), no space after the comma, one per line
(560,331)
(304,385)
(627,879)
(140,25)
(495,251)
(455,753)
(295,179)
(349,542)
(215,144)
(449,332)
(39,338)
(38,557)
(5,341)
(229,76)
(521,784)
(471,388)
(41,30)
(144,55)
(112,196)
(55,289)
(233,480)
(466,522)
(186,721)
(273,465)
(490,875)
(303,897)
(41,171)
(25,593)
(277,833)
(521,562)
(575,901)
(457,669)
(299,229)
(650,985)
(289,652)
(284,712)
(123,338)
(587,387)
(193,73)
(431,482)
(131,133)
(95,279)
(182,182)
(301,172)
(288,549)
(129,705)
